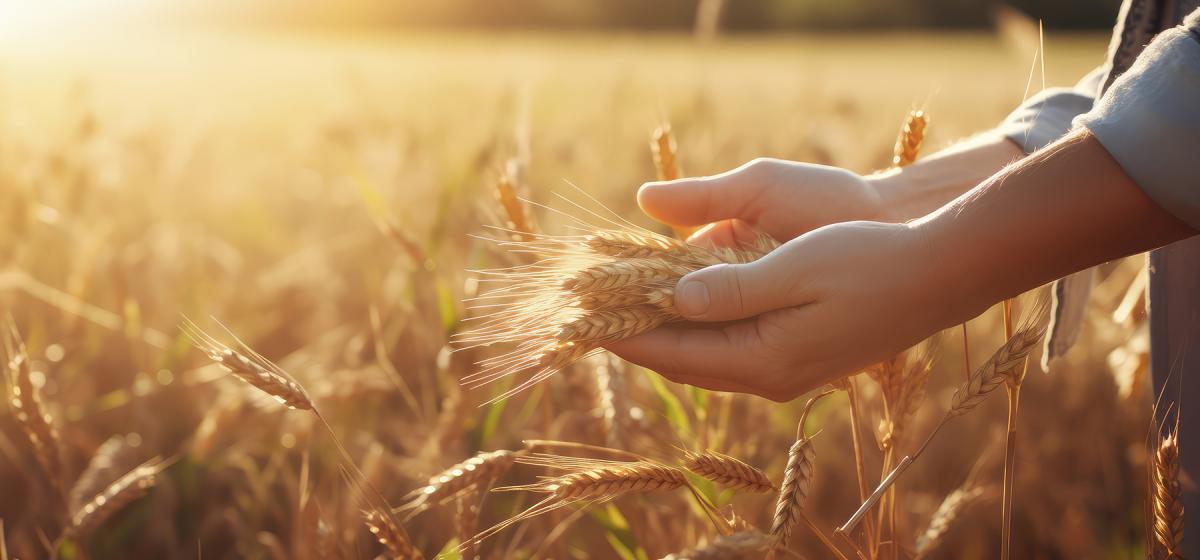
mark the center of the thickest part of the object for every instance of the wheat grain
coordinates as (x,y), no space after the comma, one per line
(121,492)
(28,408)
(253,369)
(728,471)
(744,545)
(1168,509)
(392,536)
(912,134)
(518,218)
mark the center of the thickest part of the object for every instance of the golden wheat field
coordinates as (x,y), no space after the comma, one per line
(324,197)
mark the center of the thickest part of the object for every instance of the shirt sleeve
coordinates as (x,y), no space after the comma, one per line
(1047,116)
(1149,120)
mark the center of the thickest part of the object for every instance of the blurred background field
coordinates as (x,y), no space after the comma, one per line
(240,172)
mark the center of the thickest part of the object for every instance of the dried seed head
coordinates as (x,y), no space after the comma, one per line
(253,369)
(28,408)
(1006,362)
(391,535)
(514,208)
(728,471)
(1168,509)
(112,459)
(482,469)
(797,479)
(133,485)
(908,144)
(952,506)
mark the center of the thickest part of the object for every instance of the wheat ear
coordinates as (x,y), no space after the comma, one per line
(797,480)
(249,366)
(121,492)
(912,134)
(946,514)
(471,474)
(727,471)
(28,408)
(1168,509)
(391,535)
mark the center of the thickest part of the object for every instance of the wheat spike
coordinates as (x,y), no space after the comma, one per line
(728,471)
(253,369)
(113,458)
(745,545)
(908,144)
(951,507)
(121,492)
(797,480)
(1005,362)
(483,468)
(392,536)
(28,408)
(591,481)
(514,208)
(1168,509)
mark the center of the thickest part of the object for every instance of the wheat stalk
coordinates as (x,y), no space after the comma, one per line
(727,471)
(28,408)
(912,134)
(1168,509)
(472,474)
(251,367)
(746,545)
(121,492)
(391,535)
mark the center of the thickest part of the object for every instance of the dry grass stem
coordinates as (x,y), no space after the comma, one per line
(727,471)
(467,523)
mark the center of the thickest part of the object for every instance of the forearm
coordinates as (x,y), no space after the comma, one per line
(918,189)
(1061,210)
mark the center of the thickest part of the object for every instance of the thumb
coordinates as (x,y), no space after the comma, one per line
(726,292)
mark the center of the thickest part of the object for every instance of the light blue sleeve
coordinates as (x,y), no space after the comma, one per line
(1046,117)
(1149,120)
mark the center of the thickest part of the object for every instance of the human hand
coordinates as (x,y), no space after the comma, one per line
(823,305)
(781,198)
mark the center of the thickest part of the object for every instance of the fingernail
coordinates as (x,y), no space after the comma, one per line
(692,298)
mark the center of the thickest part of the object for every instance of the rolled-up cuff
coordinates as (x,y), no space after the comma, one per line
(1044,118)
(1149,120)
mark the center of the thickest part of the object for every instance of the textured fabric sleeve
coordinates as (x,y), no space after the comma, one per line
(1149,120)
(1046,117)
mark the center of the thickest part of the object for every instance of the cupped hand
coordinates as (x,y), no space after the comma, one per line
(782,198)
(823,305)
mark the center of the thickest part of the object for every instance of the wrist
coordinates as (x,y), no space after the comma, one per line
(890,189)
